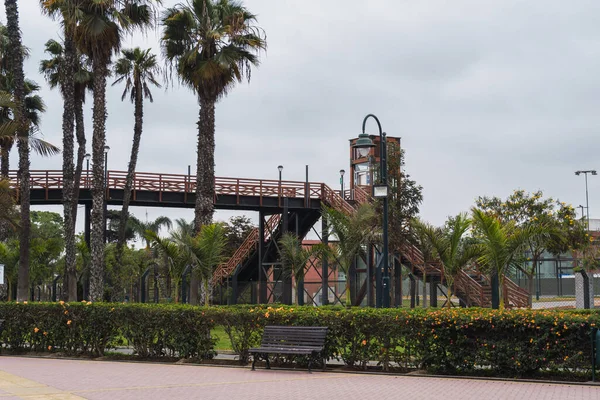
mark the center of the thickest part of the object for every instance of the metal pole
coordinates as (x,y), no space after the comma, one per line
(587,202)
(386,269)
(105,194)
(538,286)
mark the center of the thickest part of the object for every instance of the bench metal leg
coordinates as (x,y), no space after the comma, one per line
(324,363)
(309,363)
(267,359)
(253,361)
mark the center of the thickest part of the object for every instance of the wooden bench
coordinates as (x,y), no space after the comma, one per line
(294,340)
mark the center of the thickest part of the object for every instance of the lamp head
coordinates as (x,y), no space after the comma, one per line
(577,173)
(88,156)
(363,144)
(594,172)
(106,148)
(342,172)
(280,168)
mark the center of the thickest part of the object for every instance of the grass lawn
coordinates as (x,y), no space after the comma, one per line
(223,342)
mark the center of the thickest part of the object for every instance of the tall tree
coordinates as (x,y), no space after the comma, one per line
(68,72)
(101,25)
(137,68)
(406,195)
(16,62)
(236,231)
(211,45)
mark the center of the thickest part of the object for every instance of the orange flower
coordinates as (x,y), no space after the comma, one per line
(36,330)
(49,347)
(45,333)
(69,322)
(364,342)
(267,314)
(62,303)
(66,312)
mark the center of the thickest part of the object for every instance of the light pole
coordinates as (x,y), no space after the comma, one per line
(587,202)
(363,145)
(106,149)
(342,172)
(280,168)
(87,169)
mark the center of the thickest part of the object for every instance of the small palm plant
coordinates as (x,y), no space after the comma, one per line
(450,246)
(352,232)
(502,245)
(294,257)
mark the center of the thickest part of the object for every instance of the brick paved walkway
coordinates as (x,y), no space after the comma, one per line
(31,378)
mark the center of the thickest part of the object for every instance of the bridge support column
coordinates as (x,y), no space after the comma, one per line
(287,278)
(378,281)
(262,275)
(370,275)
(234,287)
(325,264)
(433,298)
(397,281)
(87,223)
(413,291)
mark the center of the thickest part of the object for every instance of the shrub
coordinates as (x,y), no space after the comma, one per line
(503,343)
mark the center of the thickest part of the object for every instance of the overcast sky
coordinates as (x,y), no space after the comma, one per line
(488,96)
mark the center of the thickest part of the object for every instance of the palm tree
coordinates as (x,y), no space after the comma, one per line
(142,229)
(100,27)
(352,232)
(73,82)
(137,68)
(16,64)
(450,246)
(502,245)
(211,44)
(294,257)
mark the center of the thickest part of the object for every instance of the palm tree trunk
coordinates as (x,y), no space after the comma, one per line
(205,177)
(4,169)
(135,149)
(449,283)
(68,127)
(81,144)
(98,181)
(5,160)
(206,293)
(205,169)
(530,288)
(16,57)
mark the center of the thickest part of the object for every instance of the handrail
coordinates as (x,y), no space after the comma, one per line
(245,249)
(514,295)
(53,179)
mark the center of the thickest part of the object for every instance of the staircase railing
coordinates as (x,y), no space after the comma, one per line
(514,295)
(473,290)
(248,246)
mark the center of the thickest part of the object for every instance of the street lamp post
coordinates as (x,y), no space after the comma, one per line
(106,149)
(363,145)
(587,202)
(280,168)
(342,172)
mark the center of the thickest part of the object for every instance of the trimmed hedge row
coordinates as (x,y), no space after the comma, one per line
(507,343)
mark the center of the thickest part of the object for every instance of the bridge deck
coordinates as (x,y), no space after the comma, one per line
(173,190)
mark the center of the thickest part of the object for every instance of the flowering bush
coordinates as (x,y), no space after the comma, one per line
(457,341)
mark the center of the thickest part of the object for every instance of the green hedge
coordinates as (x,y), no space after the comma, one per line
(508,343)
